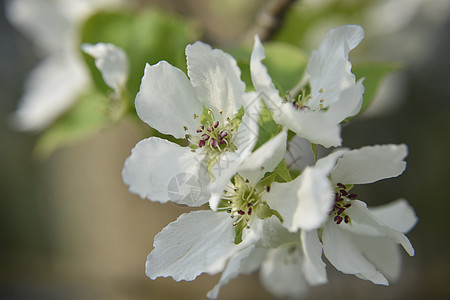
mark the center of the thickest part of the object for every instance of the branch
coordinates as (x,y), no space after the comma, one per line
(271,19)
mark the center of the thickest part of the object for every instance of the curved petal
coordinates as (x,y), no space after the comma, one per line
(161,171)
(369,164)
(398,215)
(299,153)
(112,63)
(216,78)
(181,247)
(348,104)
(383,253)
(281,272)
(265,159)
(167,101)
(329,67)
(361,214)
(313,265)
(50,89)
(306,201)
(346,256)
(238,264)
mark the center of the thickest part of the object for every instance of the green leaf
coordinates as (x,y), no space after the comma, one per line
(285,64)
(268,128)
(147,36)
(282,172)
(89,114)
(374,73)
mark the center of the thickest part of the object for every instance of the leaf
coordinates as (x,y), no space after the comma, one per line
(374,73)
(285,64)
(282,172)
(89,114)
(267,127)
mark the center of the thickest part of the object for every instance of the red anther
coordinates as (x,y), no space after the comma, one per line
(209,129)
(222,134)
(268,188)
(205,137)
(249,204)
(341,186)
(199,130)
(241,212)
(347,205)
(346,219)
(304,108)
(338,219)
(340,211)
(222,142)
(216,123)
(352,196)
(201,143)
(343,192)
(295,105)
(214,143)
(249,212)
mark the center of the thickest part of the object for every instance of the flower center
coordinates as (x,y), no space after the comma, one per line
(342,201)
(302,101)
(243,202)
(214,137)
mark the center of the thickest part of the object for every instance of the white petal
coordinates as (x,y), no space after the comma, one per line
(313,265)
(265,159)
(215,76)
(299,153)
(247,134)
(112,63)
(314,126)
(398,215)
(281,272)
(383,253)
(370,164)
(349,103)
(50,89)
(361,214)
(345,255)
(329,68)
(181,247)
(306,201)
(161,171)
(167,101)
(235,266)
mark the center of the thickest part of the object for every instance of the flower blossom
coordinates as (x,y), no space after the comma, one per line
(61,76)
(355,240)
(334,94)
(112,62)
(210,109)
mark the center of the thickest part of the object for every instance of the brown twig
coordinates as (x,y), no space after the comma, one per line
(270,19)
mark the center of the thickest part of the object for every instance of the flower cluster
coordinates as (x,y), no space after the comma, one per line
(275,205)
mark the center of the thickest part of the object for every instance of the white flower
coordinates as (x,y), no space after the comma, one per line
(334,94)
(59,78)
(112,62)
(355,239)
(204,241)
(206,109)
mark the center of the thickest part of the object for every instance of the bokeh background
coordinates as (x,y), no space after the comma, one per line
(69,229)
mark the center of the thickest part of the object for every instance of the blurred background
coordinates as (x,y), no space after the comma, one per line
(69,228)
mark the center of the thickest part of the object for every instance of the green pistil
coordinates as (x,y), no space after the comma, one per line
(301,103)
(244,202)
